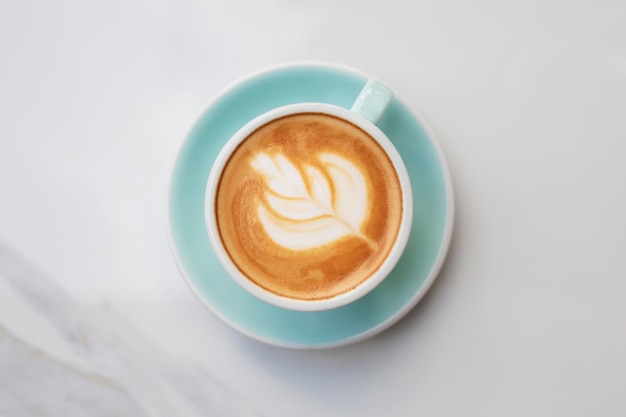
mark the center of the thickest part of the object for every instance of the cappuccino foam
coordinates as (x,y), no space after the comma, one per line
(308,206)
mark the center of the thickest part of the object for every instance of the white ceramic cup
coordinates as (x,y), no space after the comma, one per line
(366,111)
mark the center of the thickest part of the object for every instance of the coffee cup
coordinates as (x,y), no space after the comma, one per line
(309,206)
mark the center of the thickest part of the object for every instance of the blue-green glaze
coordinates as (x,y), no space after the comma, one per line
(388,302)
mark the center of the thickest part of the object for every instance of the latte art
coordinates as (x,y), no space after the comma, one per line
(310,207)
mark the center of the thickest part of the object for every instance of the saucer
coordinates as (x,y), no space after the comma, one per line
(378,310)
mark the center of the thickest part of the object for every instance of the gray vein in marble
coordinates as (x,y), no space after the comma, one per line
(32,383)
(127,374)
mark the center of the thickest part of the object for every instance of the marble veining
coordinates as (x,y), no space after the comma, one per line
(111,369)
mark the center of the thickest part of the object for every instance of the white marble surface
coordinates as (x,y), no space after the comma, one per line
(528,316)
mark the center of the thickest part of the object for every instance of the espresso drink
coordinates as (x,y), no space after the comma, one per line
(308,206)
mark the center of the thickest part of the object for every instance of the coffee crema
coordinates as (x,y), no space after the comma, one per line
(308,206)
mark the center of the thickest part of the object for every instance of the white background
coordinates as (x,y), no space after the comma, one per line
(528,99)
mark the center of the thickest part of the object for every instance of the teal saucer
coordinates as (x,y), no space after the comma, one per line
(399,292)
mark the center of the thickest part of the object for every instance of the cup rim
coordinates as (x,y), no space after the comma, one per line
(376,277)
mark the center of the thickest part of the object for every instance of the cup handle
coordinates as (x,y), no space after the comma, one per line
(372,101)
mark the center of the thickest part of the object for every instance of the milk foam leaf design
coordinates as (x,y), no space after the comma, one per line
(305,207)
